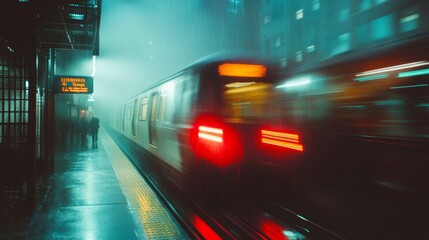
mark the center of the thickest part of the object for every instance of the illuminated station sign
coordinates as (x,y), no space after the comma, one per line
(73,84)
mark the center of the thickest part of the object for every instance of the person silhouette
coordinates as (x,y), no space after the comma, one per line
(94,125)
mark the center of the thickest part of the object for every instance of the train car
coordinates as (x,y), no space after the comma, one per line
(365,117)
(217,115)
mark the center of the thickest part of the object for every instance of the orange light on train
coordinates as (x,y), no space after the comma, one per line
(281,139)
(242,70)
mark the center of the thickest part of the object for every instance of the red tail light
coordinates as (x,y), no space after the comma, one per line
(281,139)
(210,134)
(216,142)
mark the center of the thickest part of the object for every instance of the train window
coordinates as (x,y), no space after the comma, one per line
(123,117)
(133,121)
(244,101)
(143,109)
(129,112)
(162,107)
(153,138)
(153,106)
(186,102)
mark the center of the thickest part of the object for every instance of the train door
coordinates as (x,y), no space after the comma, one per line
(142,123)
(123,111)
(153,137)
(133,120)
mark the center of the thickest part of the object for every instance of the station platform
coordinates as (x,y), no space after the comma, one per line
(94,193)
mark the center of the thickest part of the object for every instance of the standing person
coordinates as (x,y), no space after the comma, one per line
(94,125)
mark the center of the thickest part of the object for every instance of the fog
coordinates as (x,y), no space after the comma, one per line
(143,41)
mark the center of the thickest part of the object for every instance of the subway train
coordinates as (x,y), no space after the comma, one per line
(215,120)
(365,118)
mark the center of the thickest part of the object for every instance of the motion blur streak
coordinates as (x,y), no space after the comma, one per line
(204,229)
(296,82)
(373,77)
(410,86)
(272,230)
(413,73)
(242,70)
(286,140)
(239,84)
(393,68)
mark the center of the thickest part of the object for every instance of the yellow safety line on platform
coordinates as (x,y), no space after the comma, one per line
(143,203)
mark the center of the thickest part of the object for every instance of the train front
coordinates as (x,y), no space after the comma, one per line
(240,124)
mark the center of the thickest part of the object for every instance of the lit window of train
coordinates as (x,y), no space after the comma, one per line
(143,109)
(129,110)
(162,107)
(247,100)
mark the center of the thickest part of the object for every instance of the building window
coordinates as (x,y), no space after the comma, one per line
(298,56)
(315,5)
(267,19)
(410,22)
(382,27)
(344,15)
(378,2)
(235,6)
(311,48)
(299,14)
(342,44)
(283,62)
(278,41)
(364,5)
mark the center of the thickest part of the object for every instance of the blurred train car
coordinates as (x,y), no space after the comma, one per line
(217,120)
(365,117)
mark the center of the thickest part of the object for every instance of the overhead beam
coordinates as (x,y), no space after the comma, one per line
(63,23)
(65,27)
(66,43)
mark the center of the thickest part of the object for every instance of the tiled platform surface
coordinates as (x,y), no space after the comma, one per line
(95,193)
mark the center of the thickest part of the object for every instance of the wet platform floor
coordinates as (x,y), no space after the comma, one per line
(94,193)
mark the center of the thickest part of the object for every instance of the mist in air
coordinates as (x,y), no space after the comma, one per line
(143,41)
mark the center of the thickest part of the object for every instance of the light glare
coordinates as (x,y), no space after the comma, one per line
(393,68)
(242,70)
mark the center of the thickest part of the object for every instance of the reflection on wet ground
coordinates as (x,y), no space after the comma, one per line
(81,200)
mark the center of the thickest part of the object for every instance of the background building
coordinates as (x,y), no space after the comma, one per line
(304,33)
